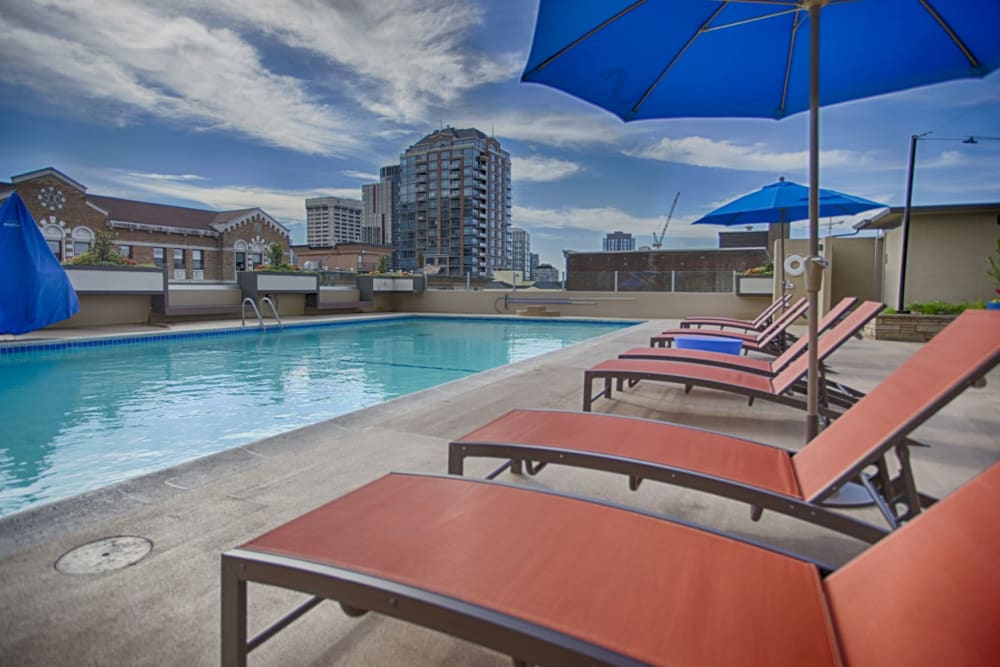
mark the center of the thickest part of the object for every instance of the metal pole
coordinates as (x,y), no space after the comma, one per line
(812,287)
(906,223)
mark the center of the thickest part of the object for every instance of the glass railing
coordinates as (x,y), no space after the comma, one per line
(651,281)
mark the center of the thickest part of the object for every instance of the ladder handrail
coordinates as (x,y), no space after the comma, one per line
(274,310)
(243,311)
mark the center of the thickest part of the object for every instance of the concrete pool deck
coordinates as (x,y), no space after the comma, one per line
(164,609)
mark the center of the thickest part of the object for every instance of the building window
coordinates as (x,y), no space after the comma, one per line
(158,257)
(83,238)
(125,250)
(198,260)
(178,257)
(241,261)
(54,239)
(256,259)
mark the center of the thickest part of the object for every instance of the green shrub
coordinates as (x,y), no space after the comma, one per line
(943,308)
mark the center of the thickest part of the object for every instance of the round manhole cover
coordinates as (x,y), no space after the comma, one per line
(104,555)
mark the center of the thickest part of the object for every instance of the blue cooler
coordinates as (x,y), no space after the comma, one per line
(709,344)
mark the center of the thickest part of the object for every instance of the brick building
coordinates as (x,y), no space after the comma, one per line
(707,270)
(192,244)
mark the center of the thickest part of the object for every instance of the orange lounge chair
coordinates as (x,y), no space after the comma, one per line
(765,477)
(758,324)
(556,580)
(869,309)
(785,387)
(771,340)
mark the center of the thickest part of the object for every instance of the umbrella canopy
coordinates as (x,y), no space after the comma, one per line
(758,58)
(34,289)
(786,202)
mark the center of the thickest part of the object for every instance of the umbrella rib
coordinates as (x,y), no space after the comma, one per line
(976,64)
(587,34)
(702,28)
(788,66)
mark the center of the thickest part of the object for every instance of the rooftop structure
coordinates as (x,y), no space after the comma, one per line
(455,204)
(194,244)
(332,220)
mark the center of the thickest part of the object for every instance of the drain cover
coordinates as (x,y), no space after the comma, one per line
(104,555)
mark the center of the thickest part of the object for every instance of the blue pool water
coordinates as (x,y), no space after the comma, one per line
(77,419)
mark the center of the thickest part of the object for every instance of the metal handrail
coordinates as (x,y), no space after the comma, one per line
(243,311)
(274,310)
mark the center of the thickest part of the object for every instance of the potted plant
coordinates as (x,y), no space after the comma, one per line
(758,280)
(994,273)
(103,270)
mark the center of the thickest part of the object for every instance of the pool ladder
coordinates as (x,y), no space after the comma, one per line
(256,311)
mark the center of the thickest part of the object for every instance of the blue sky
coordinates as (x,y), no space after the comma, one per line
(232,104)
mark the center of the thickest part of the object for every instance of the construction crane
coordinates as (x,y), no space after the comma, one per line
(658,240)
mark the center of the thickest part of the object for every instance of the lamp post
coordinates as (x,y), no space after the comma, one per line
(909,198)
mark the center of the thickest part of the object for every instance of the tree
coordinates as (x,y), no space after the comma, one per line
(274,255)
(382,266)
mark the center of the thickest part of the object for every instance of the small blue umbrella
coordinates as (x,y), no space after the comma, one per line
(784,202)
(34,288)
(644,59)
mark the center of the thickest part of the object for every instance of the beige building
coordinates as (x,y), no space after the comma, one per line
(947,252)
(191,244)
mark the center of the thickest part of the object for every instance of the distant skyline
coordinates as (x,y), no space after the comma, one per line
(227,105)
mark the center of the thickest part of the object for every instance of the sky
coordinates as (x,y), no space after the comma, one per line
(234,104)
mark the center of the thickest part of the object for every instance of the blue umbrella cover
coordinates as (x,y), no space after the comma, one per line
(34,288)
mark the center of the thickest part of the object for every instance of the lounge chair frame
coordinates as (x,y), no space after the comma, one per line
(787,385)
(854,614)
(759,323)
(894,493)
(772,340)
(358,593)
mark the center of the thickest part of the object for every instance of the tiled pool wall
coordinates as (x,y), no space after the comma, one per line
(8,348)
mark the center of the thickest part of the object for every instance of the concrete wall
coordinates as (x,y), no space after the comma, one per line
(947,259)
(108,309)
(588,304)
(857,268)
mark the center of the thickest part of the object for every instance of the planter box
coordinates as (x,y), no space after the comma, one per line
(369,285)
(115,279)
(913,327)
(252,282)
(754,285)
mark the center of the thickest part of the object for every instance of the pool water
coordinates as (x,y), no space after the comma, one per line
(81,418)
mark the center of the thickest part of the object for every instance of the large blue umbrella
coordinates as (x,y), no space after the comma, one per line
(784,202)
(746,58)
(34,288)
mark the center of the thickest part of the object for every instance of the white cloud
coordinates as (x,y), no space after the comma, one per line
(360,175)
(119,57)
(167,177)
(703,152)
(542,169)
(285,205)
(568,130)
(402,56)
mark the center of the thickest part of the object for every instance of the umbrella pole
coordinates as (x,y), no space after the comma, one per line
(814,273)
(781,259)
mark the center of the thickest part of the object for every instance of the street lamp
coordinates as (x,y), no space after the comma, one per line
(909,197)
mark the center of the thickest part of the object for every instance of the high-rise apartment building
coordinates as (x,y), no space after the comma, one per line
(520,251)
(379,222)
(333,220)
(532,265)
(455,204)
(617,241)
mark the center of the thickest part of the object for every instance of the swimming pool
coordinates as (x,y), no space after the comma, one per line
(83,417)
